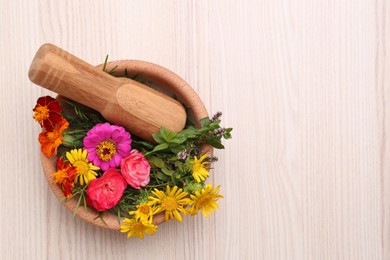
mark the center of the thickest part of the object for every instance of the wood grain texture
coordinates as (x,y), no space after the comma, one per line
(122,101)
(304,84)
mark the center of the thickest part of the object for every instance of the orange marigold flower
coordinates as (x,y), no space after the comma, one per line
(51,140)
(47,112)
(64,176)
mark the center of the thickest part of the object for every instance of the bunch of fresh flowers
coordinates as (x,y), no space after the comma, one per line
(111,170)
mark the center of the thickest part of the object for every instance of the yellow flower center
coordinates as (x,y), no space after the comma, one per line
(145,209)
(60,176)
(197,167)
(106,150)
(55,137)
(203,201)
(138,227)
(169,203)
(41,113)
(82,167)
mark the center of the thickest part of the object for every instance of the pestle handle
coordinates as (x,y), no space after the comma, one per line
(125,102)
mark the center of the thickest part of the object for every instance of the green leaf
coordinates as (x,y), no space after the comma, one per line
(177,148)
(179,139)
(159,147)
(217,122)
(113,70)
(85,203)
(167,172)
(167,135)
(190,132)
(100,215)
(161,176)
(213,126)
(158,138)
(164,132)
(77,206)
(215,142)
(156,162)
(170,137)
(174,181)
(105,63)
(204,130)
(145,144)
(205,122)
(119,216)
(227,136)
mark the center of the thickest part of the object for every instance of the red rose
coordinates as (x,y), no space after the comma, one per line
(105,192)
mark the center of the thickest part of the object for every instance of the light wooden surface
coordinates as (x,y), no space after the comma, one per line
(304,84)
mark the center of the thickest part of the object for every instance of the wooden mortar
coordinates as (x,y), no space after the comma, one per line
(167,82)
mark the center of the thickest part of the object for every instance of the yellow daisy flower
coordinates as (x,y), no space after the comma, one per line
(137,228)
(85,169)
(144,212)
(205,200)
(172,202)
(198,171)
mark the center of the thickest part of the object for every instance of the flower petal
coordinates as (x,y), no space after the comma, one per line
(104,165)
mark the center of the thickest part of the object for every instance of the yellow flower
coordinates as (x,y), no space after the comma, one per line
(198,171)
(205,200)
(85,169)
(172,202)
(144,212)
(138,228)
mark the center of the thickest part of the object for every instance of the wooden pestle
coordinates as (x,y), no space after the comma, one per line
(138,108)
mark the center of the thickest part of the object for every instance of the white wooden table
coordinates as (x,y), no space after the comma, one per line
(304,83)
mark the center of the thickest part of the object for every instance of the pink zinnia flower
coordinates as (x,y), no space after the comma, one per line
(106,145)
